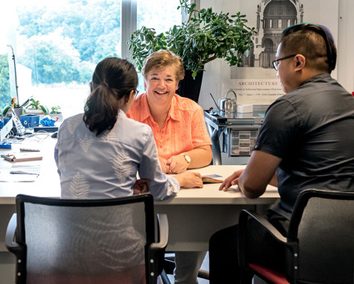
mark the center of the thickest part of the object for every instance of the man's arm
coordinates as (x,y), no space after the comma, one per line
(260,172)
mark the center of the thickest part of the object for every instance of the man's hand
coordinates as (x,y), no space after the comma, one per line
(231,180)
(140,186)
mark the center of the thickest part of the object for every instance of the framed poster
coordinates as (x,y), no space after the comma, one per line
(256,82)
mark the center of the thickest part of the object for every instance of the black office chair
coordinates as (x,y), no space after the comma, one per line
(320,241)
(87,241)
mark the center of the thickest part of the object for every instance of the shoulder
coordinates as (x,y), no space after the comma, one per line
(132,125)
(71,122)
(139,108)
(74,118)
(282,109)
(186,104)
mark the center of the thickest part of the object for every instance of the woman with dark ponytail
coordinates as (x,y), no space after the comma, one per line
(111,87)
(100,152)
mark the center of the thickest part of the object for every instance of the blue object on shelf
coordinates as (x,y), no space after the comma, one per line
(46,121)
(29,120)
(5,145)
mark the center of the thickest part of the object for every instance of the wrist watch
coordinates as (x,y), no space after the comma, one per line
(187,158)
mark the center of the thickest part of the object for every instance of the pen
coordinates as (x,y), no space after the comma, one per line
(23,173)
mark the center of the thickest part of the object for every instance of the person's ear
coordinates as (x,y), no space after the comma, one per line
(130,97)
(300,61)
(132,94)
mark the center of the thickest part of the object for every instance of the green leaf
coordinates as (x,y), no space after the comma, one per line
(206,35)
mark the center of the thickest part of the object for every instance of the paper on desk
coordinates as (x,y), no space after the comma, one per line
(212,178)
(25,169)
(7,177)
(20,173)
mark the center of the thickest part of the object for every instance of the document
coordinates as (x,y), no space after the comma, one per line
(7,177)
(212,178)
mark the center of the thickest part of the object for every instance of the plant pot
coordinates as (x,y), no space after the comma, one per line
(58,117)
(18,111)
(34,111)
(189,87)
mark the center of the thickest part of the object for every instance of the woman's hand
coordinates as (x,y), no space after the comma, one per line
(231,180)
(163,165)
(176,164)
(189,179)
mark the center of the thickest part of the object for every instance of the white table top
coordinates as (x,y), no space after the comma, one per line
(210,193)
(47,184)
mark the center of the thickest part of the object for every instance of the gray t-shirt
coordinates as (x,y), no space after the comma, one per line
(312,130)
(107,166)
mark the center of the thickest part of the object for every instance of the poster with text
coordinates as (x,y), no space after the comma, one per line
(256,81)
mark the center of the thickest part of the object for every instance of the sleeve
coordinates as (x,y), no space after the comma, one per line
(56,155)
(161,185)
(56,149)
(200,134)
(280,130)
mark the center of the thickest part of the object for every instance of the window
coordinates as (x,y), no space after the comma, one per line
(151,14)
(58,43)
(158,14)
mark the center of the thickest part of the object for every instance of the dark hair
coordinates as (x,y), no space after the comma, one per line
(315,42)
(163,58)
(112,80)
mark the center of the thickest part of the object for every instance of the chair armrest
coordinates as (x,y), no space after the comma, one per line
(264,224)
(156,251)
(246,215)
(10,238)
(163,232)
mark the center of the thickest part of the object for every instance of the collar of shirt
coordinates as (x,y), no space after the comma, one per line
(173,112)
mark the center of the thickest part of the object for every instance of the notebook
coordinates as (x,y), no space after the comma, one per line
(212,178)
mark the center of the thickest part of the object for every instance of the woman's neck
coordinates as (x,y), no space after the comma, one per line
(159,112)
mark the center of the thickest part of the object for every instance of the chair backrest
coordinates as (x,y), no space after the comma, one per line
(84,241)
(322,227)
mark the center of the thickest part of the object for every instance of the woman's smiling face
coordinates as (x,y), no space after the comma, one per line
(161,83)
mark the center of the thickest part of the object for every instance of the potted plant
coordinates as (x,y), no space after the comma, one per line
(55,113)
(14,106)
(205,36)
(34,106)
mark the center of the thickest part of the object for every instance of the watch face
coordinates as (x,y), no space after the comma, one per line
(187,158)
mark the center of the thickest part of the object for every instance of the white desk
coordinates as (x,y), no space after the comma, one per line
(194,214)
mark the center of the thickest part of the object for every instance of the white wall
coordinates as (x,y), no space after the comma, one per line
(345,63)
(217,73)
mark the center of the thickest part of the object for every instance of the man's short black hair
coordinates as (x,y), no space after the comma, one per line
(315,42)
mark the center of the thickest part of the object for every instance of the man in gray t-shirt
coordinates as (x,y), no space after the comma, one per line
(305,141)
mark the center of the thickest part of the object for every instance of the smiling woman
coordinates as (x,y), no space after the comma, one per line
(179,130)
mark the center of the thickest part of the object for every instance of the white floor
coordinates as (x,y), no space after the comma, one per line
(205,266)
